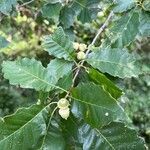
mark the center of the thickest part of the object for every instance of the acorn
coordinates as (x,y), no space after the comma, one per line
(82,47)
(63,103)
(76,45)
(64,113)
(81,55)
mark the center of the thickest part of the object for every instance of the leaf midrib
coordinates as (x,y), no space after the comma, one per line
(23,125)
(115,63)
(65,50)
(27,72)
(105,138)
(96,105)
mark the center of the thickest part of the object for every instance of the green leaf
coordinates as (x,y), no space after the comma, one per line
(146,5)
(84,10)
(88,10)
(87,15)
(3,42)
(116,62)
(70,129)
(24,129)
(7,5)
(125,30)
(124,5)
(51,10)
(67,17)
(144,23)
(108,85)
(54,139)
(70,33)
(61,70)
(59,45)
(42,97)
(28,73)
(95,105)
(66,81)
(58,68)
(114,136)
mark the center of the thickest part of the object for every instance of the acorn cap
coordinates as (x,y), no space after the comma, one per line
(82,47)
(63,103)
(81,55)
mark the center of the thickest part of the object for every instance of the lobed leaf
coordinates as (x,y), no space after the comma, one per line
(29,73)
(58,68)
(24,129)
(84,11)
(114,136)
(108,85)
(88,10)
(116,62)
(95,105)
(59,45)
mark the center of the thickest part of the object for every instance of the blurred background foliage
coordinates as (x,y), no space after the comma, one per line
(24,30)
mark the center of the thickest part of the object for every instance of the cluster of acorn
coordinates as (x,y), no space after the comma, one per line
(81,48)
(63,105)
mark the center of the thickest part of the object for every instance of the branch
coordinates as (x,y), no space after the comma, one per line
(93,42)
(102,27)
(24,4)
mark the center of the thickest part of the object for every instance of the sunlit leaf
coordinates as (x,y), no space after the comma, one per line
(59,45)
(29,73)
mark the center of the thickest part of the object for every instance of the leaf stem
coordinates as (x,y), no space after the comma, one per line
(52,103)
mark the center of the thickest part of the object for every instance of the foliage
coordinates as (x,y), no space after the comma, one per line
(137,90)
(3,42)
(96,117)
(138,108)
(11,97)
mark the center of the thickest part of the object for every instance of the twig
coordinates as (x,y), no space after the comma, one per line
(88,51)
(93,42)
(26,3)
